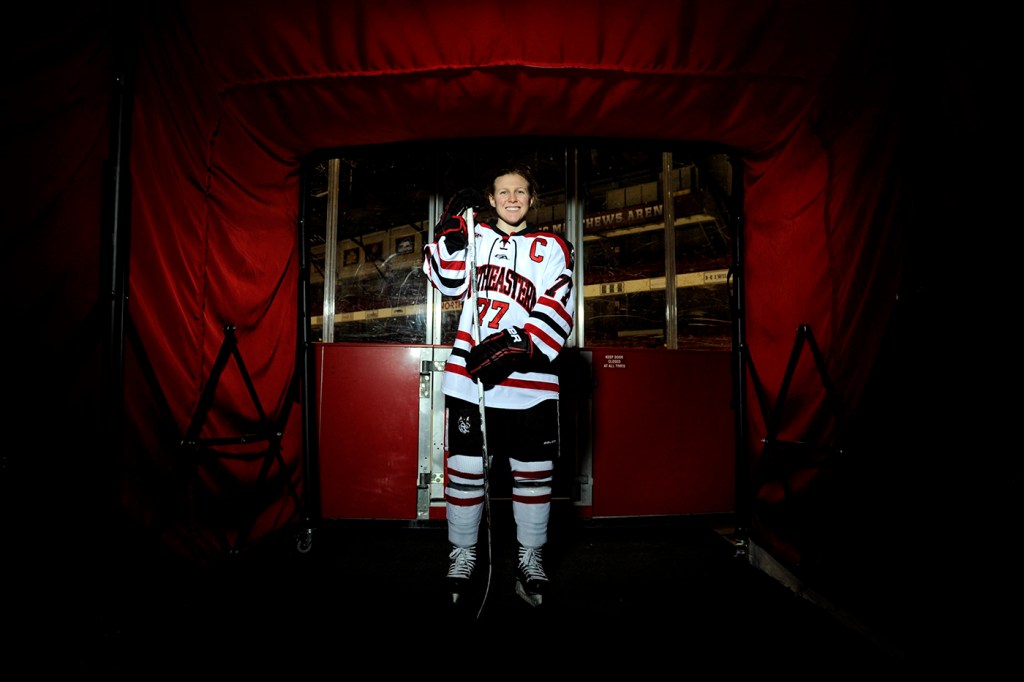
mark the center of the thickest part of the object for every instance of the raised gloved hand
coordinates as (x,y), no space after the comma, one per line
(463,199)
(452,224)
(454,232)
(493,359)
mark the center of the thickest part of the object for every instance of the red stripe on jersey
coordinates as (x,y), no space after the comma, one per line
(534,385)
(517,383)
(548,341)
(558,308)
(450,264)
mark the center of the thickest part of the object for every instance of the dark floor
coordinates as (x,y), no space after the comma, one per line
(369,596)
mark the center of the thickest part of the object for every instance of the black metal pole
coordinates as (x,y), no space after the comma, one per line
(305,364)
(115,224)
(742,477)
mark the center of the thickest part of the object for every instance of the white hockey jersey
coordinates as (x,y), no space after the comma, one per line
(523,280)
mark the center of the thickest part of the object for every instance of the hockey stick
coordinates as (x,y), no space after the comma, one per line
(471,273)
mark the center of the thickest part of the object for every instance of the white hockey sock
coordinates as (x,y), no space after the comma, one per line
(531,501)
(465,499)
(464,524)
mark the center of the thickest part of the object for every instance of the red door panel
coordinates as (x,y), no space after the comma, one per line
(663,432)
(368,418)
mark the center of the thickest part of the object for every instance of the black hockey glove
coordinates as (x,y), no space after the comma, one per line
(463,199)
(497,356)
(452,224)
(454,232)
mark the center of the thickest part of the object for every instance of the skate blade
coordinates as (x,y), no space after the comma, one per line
(531,599)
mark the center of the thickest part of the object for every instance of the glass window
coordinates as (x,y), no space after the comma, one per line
(625,228)
(369,210)
(372,205)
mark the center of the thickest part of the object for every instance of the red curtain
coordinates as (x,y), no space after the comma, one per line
(230,96)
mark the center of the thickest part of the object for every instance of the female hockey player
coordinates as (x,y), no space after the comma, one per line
(525,301)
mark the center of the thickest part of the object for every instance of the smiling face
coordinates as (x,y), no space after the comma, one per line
(512,200)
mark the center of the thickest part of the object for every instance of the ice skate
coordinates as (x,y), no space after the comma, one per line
(463,562)
(531,581)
